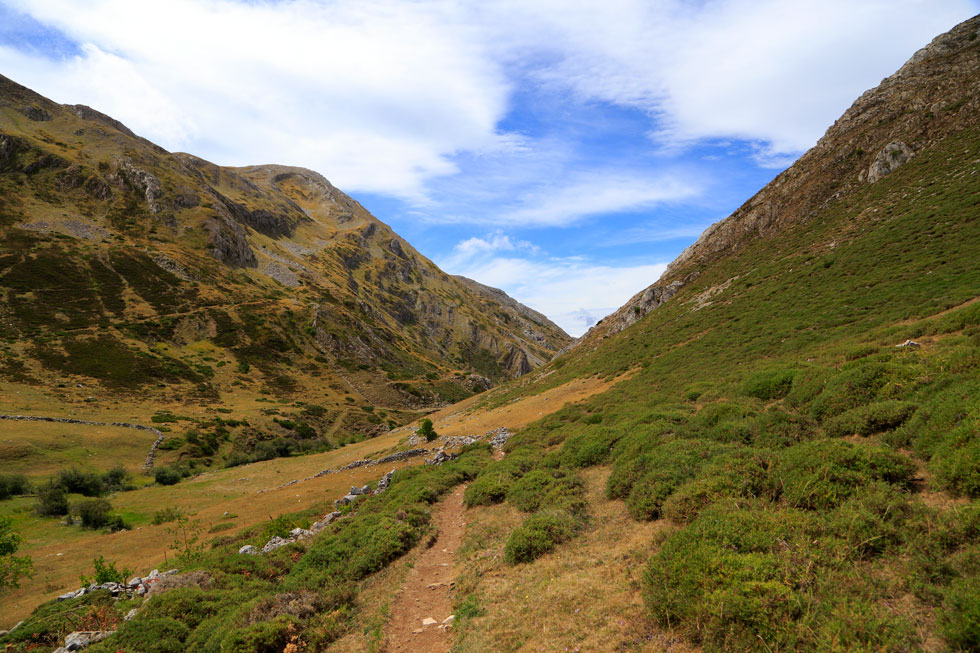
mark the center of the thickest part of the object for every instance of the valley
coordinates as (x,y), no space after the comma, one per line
(775,446)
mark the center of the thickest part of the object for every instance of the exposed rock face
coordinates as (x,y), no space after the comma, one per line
(881,131)
(891,157)
(36,114)
(144,181)
(228,244)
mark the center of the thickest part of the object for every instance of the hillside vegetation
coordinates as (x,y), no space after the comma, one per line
(790,459)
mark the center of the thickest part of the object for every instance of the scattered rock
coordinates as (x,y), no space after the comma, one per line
(80,639)
(440,458)
(909,343)
(275,543)
(449,620)
(129,615)
(248,550)
(429,621)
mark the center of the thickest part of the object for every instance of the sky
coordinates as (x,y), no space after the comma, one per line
(562,150)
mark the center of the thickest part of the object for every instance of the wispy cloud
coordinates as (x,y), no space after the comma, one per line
(575,292)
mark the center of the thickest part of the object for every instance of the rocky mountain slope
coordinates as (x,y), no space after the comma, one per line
(163,273)
(935,94)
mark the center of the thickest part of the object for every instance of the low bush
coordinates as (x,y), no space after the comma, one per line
(959,618)
(873,418)
(769,385)
(729,579)
(589,448)
(539,534)
(12,485)
(167,475)
(52,500)
(823,474)
(147,635)
(96,513)
(89,484)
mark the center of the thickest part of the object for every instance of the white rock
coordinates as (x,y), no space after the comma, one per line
(448,620)
(429,621)
(248,549)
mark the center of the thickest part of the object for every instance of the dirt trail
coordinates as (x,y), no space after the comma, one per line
(425,593)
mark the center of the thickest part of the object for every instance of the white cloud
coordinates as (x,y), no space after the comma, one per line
(385,96)
(377,95)
(777,71)
(574,292)
(495,242)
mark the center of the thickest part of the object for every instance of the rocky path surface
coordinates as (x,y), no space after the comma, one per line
(420,613)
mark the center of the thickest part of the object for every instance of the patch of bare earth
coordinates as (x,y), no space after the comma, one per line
(584,596)
(420,610)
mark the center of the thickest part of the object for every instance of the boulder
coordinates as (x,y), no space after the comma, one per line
(248,550)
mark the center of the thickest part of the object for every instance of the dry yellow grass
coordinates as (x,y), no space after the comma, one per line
(582,597)
(465,419)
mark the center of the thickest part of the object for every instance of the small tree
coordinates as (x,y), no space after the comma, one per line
(52,501)
(94,513)
(105,572)
(426,430)
(12,568)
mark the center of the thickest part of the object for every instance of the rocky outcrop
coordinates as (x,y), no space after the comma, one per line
(890,158)
(227,243)
(143,181)
(35,113)
(81,639)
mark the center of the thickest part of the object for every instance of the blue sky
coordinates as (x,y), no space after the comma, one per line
(563,151)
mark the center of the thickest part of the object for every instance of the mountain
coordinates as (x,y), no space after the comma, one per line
(930,98)
(161,273)
(774,447)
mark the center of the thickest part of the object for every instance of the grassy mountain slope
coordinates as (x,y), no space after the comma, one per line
(129,269)
(771,473)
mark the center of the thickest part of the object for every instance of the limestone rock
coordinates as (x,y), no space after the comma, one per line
(248,549)
(888,159)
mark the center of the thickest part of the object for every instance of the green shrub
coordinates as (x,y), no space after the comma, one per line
(873,418)
(648,479)
(729,579)
(167,475)
(425,430)
(76,481)
(589,448)
(106,572)
(51,501)
(959,618)
(263,637)
(539,534)
(149,635)
(487,489)
(769,385)
(94,513)
(823,474)
(957,468)
(12,485)
(541,488)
